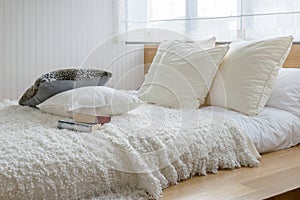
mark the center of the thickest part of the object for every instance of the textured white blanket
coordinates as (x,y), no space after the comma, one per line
(135,156)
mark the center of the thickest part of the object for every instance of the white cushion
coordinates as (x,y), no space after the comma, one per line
(286,92)
(183,76)
(164,45)
(94,100)
(245,79)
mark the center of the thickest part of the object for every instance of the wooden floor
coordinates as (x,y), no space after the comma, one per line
(276,178)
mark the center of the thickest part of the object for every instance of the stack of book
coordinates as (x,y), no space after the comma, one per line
(84,123)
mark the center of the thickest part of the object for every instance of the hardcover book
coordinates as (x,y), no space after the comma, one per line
(91,119)
(77,126)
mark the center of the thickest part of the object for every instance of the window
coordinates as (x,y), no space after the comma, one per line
(227,20)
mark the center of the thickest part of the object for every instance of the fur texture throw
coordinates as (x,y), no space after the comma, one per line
(133,157)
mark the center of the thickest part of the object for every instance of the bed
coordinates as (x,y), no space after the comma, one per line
(132,161)
(277,176)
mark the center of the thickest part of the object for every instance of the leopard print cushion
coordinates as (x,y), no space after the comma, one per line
(58,81)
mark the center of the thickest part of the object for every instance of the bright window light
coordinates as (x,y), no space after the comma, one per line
(167,9)
(217,8)
(225,19)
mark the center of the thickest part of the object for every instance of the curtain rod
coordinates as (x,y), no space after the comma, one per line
(141,42)
(207,18)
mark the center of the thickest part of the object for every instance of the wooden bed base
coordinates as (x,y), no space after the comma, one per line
(276,178)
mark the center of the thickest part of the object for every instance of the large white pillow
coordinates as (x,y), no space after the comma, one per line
(94,100)
(245,79)
(164,45)
(286,91)
(183,75)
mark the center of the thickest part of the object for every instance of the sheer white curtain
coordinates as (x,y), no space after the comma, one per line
(271,18)
(225,19)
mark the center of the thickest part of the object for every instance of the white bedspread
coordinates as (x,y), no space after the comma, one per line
(134,156)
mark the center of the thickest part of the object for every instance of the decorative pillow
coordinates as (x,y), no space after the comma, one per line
(247,74)
(163,47)
(286,91)
(61,80)
(183,76)
(204,44)
(93,100)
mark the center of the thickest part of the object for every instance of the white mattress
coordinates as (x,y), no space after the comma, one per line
(271,130)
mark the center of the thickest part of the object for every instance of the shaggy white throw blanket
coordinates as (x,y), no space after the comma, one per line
(133,157)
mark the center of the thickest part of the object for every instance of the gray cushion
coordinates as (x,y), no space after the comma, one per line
(58,81)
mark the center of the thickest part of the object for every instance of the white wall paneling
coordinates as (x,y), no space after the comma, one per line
(38,36)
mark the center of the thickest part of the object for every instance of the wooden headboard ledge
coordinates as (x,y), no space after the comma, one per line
(292,61)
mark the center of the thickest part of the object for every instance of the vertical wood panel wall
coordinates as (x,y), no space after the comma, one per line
(37,36)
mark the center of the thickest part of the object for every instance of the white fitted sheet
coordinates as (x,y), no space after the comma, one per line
(271,130)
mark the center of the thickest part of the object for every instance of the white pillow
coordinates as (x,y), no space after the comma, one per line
(183,76)
(286,92)
(164,45)
(94,100)
(245,79)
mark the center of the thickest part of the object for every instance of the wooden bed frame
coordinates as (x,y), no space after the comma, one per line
(276,178)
